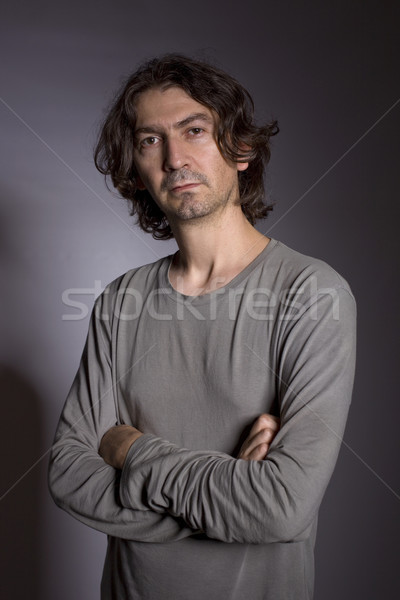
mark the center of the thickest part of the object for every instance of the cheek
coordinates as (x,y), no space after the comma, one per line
(225,173)
(147,177)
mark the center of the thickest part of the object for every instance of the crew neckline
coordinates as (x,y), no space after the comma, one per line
(204,298)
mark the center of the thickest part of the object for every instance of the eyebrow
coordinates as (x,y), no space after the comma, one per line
(200,116)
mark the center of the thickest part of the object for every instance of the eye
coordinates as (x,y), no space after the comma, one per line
(149,141)
(196,131)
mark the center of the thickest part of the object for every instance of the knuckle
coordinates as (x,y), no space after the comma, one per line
(263,449)
(269,419)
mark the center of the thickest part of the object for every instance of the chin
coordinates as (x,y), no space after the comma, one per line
(193,208)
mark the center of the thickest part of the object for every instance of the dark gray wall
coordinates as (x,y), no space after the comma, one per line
(327,71)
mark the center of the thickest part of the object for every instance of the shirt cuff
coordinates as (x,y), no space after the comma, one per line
(145,448)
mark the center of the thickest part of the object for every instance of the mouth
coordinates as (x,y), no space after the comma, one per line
(185,186)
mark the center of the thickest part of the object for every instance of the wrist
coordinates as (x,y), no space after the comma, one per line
(125,447)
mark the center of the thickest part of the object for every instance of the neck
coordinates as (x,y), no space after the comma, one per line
(212,254)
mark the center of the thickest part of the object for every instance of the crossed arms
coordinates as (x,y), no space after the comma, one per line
(165,492)
(116,441)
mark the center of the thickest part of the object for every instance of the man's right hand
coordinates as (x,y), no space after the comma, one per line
(256,445)
(115,444)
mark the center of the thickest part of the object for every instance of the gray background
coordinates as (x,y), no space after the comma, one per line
(327,71)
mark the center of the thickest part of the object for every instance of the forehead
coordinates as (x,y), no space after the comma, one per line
(165,107)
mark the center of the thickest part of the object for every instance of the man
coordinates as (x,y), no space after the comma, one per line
(206,416)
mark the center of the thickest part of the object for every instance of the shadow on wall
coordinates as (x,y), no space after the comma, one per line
(20,435)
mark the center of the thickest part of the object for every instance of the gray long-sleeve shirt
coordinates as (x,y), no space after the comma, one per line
(187,520)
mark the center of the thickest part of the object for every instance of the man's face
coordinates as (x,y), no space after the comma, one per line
(177,158)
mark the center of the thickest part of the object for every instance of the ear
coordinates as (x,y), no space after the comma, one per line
(242,166)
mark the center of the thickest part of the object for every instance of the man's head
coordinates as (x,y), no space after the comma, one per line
(174,78)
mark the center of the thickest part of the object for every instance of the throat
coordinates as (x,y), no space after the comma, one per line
(194,280)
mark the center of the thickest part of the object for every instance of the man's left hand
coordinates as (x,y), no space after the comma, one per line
(115,444)
(257,443)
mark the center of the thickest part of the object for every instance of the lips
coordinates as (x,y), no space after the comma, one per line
(185,186)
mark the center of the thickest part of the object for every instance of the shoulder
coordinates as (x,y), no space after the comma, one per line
(306,286)
(139,280)
(295,270)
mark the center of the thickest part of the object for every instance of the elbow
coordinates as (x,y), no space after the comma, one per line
(52,482)
(271,529)
(291,511)
(291,529)
(267,526)
(288,520)
(56,480)
(267,512)
(276,529)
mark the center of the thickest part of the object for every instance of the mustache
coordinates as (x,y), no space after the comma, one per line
(174,177)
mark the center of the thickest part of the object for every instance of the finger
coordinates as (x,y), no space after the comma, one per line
(265,436)
(264,429)
(257,453)
(270,421)
(264,421)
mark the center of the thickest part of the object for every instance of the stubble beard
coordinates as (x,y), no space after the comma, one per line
(195,206)
(202,205)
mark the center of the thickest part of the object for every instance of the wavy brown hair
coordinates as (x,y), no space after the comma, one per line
(214,89)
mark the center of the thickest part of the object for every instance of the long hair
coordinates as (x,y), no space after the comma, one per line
(210,87)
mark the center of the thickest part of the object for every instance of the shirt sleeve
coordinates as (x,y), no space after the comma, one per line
(276,499)
(80,481)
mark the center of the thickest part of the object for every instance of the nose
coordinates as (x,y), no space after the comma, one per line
(175,155)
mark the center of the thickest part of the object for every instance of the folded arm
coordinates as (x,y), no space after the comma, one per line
(271,500)
(80,481)
(115,443)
